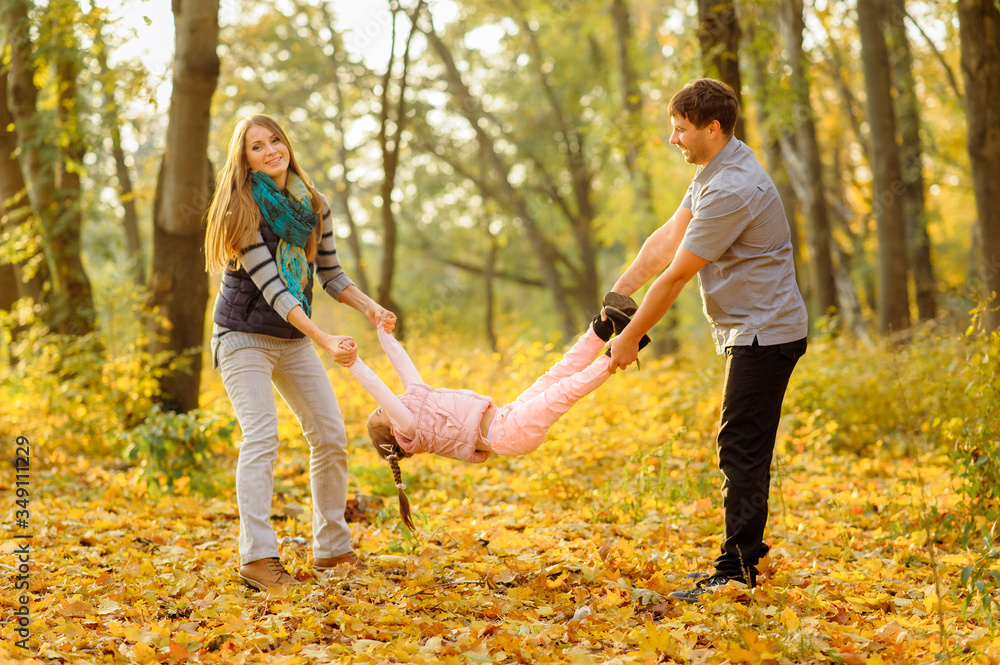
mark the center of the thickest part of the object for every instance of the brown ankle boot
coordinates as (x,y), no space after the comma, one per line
(265,574)
(350,559)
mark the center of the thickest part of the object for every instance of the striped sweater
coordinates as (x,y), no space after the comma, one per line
(263,270)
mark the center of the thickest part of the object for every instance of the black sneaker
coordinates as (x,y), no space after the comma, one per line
(705,586)
(620,302)
(603,328)
(619,319)
(701,574)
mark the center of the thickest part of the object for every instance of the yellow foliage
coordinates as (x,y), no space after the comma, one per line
(565,555)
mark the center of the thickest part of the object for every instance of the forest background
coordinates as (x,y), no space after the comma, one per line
(493,167)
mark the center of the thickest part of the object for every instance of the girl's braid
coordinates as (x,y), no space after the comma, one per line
(404,503)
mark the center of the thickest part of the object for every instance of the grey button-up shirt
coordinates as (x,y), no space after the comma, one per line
(738,225)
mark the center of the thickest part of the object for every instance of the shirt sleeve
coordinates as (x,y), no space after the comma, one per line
(688,197)
(401,362)
(719,219)
(263,270)
(399,415)
(329,272)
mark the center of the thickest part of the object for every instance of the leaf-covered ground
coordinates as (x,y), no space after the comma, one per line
(562,556)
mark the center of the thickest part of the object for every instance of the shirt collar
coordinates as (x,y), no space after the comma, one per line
(705,173)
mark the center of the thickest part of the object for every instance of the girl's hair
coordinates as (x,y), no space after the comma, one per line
(385,444)
(233,215)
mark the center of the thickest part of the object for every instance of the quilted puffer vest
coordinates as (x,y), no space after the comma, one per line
(446,422)
(241,305)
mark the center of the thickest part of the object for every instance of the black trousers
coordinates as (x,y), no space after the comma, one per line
(756,379)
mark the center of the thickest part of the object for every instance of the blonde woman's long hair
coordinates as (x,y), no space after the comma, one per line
(233,215)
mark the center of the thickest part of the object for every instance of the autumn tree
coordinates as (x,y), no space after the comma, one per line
(803,149)
(113,125)
(23,270)
(980,31)
(719,36)
(392,123)
(50,153)
(184,189)
(887,183)
(907,108)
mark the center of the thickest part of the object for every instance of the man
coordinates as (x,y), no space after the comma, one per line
(731,231)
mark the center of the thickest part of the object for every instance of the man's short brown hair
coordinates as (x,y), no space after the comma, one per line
(704,100)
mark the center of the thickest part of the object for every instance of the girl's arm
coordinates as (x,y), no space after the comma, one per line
(401,362)
(399,415)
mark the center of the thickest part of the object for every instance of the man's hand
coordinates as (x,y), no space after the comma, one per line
(624,350)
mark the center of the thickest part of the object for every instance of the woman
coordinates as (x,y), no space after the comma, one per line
(268,228)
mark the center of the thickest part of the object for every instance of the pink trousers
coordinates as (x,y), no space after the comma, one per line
(520,427)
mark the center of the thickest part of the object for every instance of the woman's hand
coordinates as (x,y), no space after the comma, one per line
(341,348)
(382,318)
(379,316)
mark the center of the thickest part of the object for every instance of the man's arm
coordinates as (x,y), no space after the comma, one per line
(659,299)
(656,254)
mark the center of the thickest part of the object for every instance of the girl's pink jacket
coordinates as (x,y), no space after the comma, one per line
(446,422)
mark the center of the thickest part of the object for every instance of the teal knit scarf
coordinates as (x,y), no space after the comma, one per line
(292,220)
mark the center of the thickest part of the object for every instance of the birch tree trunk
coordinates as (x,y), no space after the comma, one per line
(184,189)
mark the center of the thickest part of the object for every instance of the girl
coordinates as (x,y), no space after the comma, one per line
(271,233)
(467,426)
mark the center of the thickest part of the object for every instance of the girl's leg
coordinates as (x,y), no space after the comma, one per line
(521,426)
(246,373)
(579,356)
(305,386)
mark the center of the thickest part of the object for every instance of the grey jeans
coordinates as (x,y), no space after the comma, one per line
(301,379)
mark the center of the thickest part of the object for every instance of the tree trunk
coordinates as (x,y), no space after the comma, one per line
(390,147)
(81,316)
(489,280)
(893,297)
(344,191)
(911,162)
(26,280)
(632,106)
(71,307)
(631,96)
(179,283)
(719,36)
(547,255)
(770,132)
(109,111)
(980,32)
(824,289)
(571,145)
